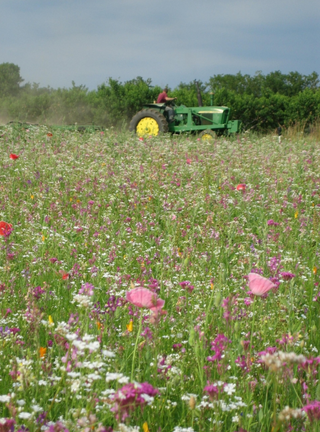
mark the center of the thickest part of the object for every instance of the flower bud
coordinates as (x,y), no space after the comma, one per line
(192,402)
(217,300)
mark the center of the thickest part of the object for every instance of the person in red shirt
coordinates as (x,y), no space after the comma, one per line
(163,98)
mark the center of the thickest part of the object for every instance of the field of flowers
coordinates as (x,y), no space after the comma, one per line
(158,284)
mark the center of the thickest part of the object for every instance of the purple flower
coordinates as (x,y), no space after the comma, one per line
(287,275)
(247,301)
(213,391)
(147,333)
(268,350)
(286,339)
(86,289)
(7,425)
(130,397)
(312,410)
(218,345)
(272,222)
(177,346)
(37,292)
(244,362)
(57,427)
(187,285)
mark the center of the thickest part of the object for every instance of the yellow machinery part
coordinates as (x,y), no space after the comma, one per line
(147,126)
(206,137)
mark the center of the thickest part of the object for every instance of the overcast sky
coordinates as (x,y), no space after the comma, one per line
(170,41)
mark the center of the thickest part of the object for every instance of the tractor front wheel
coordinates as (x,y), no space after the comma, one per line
(208,135)
(148,122)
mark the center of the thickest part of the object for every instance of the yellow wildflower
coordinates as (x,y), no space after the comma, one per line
(145,427)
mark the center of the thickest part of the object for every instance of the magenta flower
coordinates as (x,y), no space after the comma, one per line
(272,222)
(87,289)
(130,397)
(287,275)
(244,362)
(259,285)
(213,391)
(53,260)
(187,285)
(7,425)
(268,350)
(218,345)
(57,427)
(37,292)
(144,298)
(312,410)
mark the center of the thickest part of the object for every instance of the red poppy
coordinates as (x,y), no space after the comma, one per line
(49,134)
(241,187)
(13,156)
(5,228)
(64,274)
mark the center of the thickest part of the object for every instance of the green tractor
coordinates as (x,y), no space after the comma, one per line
(208,121)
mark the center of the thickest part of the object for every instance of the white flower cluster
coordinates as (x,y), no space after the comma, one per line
(279,359)
(83,300)
(83,345)
(180,429)
(4,398)
(122,379)
(288,413)
(123,428)
(62,328)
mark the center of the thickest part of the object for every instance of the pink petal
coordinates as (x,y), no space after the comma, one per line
(142,297)
(159,305)
(259,285)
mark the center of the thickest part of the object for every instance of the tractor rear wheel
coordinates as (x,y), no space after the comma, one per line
(148,122)
(207,135)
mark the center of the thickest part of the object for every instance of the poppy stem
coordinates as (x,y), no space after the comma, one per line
(252,328)
(135,347)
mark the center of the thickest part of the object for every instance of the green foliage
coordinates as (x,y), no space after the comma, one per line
(186,94)
(261,102)
(116,103)
(10,79)
(276,82)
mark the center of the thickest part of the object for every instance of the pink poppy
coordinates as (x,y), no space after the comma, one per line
(13,156)
(259,285)
(5,228)
(188,161)
(144,298)
(241,187)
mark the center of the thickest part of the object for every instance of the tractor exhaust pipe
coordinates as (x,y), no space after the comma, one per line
(198,93)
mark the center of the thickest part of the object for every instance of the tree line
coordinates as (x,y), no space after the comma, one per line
(261,101)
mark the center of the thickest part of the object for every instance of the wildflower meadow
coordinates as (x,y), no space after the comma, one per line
(158,284)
